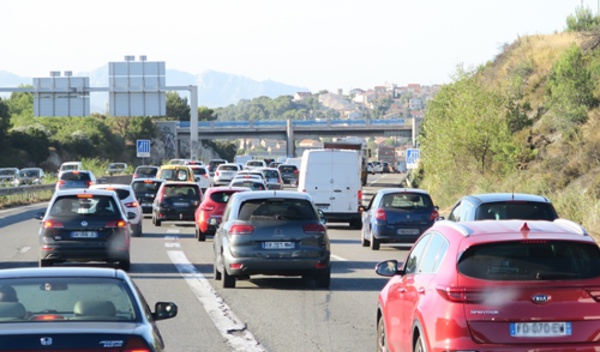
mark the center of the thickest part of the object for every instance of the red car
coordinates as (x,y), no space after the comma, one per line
(506,285)
(208,215)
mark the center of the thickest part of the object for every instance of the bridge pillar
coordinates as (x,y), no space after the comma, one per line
(193,122)
(291,146)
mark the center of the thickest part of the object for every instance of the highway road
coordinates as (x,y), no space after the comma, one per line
(261,314)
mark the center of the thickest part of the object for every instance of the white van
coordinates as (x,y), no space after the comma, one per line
(70,166)
(332,178)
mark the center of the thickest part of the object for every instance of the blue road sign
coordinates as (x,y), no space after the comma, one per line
(143,148)
(412,158)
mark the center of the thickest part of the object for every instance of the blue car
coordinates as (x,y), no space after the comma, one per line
(397,215)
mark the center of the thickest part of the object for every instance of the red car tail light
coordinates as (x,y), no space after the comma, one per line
(296,172)
(380,215)
(434,215)
(52,224)
(217,173)
(136,344)
(241,230)
(359,196)
(61,183)
(116,224)
(207,207)
(462,294)
(314,228)
(133,204)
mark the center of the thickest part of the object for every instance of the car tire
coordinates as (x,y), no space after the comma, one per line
(45,263)
(374,242)
(155,221)
(381,336)
(363,240)
(420,345)
(228,280)
(138,229)
(201,236)
(125,264)
(323,278)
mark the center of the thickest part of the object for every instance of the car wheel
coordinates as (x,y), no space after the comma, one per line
(125,264)
(323,278)
(45,263)
(363,240)
(228,280)
(138,230)
(201,236)
(374,242)
(420,345)
(381,338)
(155,221)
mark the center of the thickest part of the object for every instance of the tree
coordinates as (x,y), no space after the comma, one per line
(177,107)
(206,114)
(583,20)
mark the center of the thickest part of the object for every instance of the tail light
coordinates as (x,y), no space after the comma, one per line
(52,224)
(116,224)
(314,229)
(217,173)
(434,215)
(207,207)
(380,214)
(135,175)
(89,183)
(359,196)
(133,204)
(462,294)
(241,230)
(61,183)
(296,172)
(136,344)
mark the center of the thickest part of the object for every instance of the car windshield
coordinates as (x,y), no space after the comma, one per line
(287,168)
(75,176)
(145,186)
(516,210)
(406,201)
(7,171)
(85,204)
(199,171)
(181,191)
(68,299)
(146,172)
(531,261)
(28,173)
(277,209)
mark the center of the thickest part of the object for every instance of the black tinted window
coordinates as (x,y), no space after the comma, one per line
(406,200)
(88,206)
(79,176)
(145,186)
(220,197)
(516,210)
(277,209)
(531,260)
(287,168)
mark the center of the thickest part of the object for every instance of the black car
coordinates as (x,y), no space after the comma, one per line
(503,206)
(176,201)
(289,173)
(85,225)
(145,190)
(77,309)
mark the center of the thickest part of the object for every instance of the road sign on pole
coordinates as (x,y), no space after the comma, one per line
(143,148)
(412,158)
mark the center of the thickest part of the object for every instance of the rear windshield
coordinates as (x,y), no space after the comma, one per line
(181,191)
(277,209)
(146,171)
(76,176)
(145,186)
(287,168)
(8,171)
(406,201)
(531,261)
(516,210)
(69,167)
(174,175)
(228,167)
(221,197)
(199,171)
(29,173)
(255,186)
(271,174)
(88,206)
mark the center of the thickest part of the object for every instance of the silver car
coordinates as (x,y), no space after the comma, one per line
(225,173)
(271,233)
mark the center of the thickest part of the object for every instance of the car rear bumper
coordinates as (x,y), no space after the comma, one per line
(175,214)
(84,254)
(284,267)
(398,234)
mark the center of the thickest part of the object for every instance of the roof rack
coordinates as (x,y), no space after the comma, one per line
(572,225)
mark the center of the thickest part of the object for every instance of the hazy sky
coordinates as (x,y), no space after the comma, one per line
(317,44)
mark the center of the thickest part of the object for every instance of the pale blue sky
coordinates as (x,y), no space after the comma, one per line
(318,44)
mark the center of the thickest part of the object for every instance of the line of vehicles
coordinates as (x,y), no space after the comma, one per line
(502,271)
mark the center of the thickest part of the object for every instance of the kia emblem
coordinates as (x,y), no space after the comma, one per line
(46,341)
(540,299)
(84,223)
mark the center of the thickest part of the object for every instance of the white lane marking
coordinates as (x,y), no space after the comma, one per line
(230,327)
(24,250)
(172,245)
(338,258)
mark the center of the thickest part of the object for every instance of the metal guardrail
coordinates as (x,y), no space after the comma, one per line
(9,191)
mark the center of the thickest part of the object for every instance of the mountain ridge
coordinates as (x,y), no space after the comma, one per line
(215,89)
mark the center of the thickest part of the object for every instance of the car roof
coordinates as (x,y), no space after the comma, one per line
(503,230)
(401,190)
(243,196)
(147,179)
(179,183)
(76,191)
(499,197)
(148,167)
(111,185)
(62,272)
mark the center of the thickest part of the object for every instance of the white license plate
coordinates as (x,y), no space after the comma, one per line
(540,329)
(278,245)
(407,231)
(181,204)
(84,234)
(146,204)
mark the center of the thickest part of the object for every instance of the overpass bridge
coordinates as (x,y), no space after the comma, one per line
(293,130)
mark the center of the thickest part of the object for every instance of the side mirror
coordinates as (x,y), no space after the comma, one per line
(322,216)
(164,310)
(130,215)
(388,268)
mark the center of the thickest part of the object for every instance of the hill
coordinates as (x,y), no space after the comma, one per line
(529,122)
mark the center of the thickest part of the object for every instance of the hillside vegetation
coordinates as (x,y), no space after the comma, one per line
(528,122)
